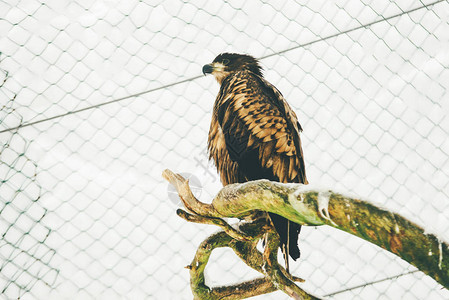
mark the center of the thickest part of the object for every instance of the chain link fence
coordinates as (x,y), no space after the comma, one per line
(98,97)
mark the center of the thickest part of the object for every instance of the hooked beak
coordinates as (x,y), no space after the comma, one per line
(207,69)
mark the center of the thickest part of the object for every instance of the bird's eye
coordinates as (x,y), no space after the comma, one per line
(225,61)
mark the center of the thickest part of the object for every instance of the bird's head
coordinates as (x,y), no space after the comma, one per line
(227,63)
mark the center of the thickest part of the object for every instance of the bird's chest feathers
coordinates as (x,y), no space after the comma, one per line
(217,141)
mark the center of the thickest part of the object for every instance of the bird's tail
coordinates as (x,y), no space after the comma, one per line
(288,232)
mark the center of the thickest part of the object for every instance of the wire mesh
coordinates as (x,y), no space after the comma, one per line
(99,97)
(25,256)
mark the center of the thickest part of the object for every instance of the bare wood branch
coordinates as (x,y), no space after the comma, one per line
(185,193)
(282,280)
(307,206)
(238,235)
(252,257)
(238,291)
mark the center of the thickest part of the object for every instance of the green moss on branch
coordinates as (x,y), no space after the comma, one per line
(309,206)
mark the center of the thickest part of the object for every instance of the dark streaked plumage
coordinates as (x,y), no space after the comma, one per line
(254,134)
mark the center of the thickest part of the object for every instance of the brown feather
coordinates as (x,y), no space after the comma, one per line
(254,133)
(264,122)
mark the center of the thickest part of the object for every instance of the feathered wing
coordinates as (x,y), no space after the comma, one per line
(254,135)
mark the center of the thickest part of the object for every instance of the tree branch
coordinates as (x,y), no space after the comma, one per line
(306,205)
(239,291)
(276,276)
(215,221)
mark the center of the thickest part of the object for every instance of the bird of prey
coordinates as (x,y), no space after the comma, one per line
(254,134)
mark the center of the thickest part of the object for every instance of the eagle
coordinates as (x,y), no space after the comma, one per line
(254,134)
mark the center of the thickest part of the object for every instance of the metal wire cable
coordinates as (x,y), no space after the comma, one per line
(199,76)
(370,283)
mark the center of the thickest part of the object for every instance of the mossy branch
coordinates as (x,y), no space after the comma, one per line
(275,275)
(306,205)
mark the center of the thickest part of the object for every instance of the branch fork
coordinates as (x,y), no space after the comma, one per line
(243,242)
(304,205)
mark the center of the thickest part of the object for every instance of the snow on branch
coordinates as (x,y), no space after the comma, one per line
(306,206)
